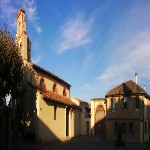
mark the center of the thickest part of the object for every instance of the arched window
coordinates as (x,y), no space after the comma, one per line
(64,92)
(42,86)
(54,87)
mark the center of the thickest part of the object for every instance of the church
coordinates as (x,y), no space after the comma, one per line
(47,113)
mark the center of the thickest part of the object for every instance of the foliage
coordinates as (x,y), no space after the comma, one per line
(11,65)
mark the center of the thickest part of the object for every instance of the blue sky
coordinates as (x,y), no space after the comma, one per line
(92,44)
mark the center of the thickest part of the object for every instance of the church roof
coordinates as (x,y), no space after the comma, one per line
(127,88)
(48,73)
(52,96)
(49,95)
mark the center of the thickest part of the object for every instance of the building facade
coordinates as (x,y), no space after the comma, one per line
(47,113)
(128,113)
(85,115)
(98,117)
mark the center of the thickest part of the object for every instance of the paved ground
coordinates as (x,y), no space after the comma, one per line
(79,143)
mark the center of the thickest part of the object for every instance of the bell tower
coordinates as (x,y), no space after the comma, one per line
(21,36)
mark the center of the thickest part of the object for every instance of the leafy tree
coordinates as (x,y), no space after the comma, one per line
(11,66)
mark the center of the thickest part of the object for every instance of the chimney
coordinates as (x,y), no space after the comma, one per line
(144,87)
(136,78)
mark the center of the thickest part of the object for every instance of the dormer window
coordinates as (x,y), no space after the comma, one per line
(64,93)
(54,87)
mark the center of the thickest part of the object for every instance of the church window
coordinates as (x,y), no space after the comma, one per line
(54,87)
(42,86)
(64,92)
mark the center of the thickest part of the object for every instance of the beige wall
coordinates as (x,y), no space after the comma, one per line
(49,82)
(83,118)
(94,105)
(83,124)
(50,129)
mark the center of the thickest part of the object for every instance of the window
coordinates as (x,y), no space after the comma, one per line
(125,103)
(54,87)
(55,108)
(137,102)
(145,127)
(131,128)
(116,128)
(64,92)
(123,128)
(42,86)
(113,104)
(148,126)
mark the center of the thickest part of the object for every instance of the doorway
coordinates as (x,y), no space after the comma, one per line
(67,121)
(100,121)
(87,127)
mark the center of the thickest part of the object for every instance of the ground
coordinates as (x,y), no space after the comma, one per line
(79,143)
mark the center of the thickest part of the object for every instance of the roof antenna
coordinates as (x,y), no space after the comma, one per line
(136,78)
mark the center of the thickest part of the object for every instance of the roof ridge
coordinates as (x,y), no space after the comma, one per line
(126,88)
(49,73)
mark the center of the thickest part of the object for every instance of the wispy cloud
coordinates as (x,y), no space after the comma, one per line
(133,59)
(88,58)
(74,33)
(32,14)
(9,8)
(36,59)
(129,49)
(8,12)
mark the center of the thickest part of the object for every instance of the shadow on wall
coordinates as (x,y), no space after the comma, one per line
(44,125)
(126,115)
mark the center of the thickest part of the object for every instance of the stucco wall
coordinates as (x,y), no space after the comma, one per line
(49,82)
(94,105)
(50,129)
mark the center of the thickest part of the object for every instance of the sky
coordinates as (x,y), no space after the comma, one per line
(94,45)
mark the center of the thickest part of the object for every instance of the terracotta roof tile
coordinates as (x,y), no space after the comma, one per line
(49,95)
(127,88)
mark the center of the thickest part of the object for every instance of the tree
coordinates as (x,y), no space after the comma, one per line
(11,66)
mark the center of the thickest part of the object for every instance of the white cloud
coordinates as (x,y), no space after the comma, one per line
(8,12)
(32,14)
(75,33)
(133,59)
(9,8)
(128,49)
(36,59)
